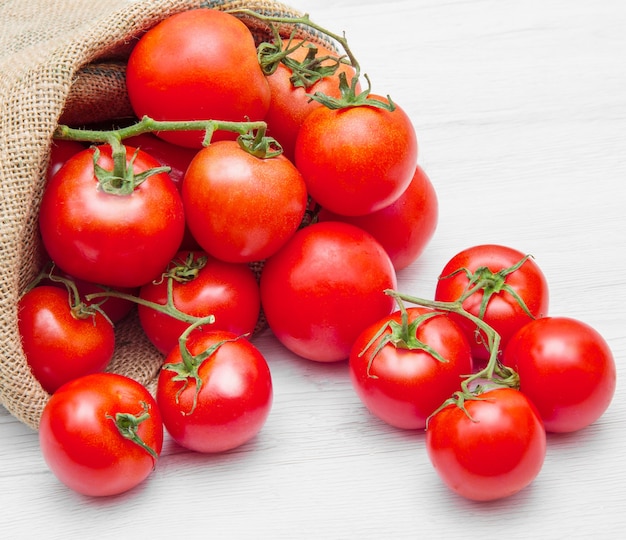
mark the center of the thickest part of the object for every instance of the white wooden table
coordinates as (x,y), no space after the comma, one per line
(520,110)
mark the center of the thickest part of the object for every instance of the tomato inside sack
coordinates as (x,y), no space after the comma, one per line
(228,291)
(406,226)
(503,311)
(497,452)
(356,160)
(324,287)
(83,447)
(106,238)
(403,386)
(58,346)
(234,399)
(241,208)
(567,370)
(199,64)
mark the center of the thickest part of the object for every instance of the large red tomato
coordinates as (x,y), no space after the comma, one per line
(492,449)
(200,286)
(356,160)
(290,101)
(324,287)
(216,403)
(101,434)
(61,343)
(404,382)
(115,239)
(403,228)
(239,207)
(199,64)
(567,370)
(490,267)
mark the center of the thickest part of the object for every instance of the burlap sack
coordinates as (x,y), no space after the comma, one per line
(62,61)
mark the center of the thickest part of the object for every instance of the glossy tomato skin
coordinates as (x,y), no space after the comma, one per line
(171,155)
(406,226)
(401,386)
(290,105)
(228,291)
(110,239)
(241,208)
(566,369)
(356,160)
(324,287)
(234,401)
(60,152)
(81,444)
(503,313)
(199,64)
(58,346)
(495,455)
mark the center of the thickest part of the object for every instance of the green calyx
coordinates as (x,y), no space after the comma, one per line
(402,335)
(127,425)
(271,54)
(188,370)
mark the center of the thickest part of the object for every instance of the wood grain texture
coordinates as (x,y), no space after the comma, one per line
(520,112)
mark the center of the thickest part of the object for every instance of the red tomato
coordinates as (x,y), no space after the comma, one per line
(241,208)
(107,238)
(497,452)
(201,286)
(403,228)
(84,434)
(59,345)
(289,104)
(566,369)
(324,287)
(503,311)
(228,403)
(60,152)
(171,155)
(356,160)
(404,384)
(199,64)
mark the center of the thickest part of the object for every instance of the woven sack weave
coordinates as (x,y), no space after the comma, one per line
(62,61)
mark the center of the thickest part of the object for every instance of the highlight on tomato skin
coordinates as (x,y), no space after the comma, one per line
(101,434)
(567,370)
(323,287)
(491,450)
(404,382)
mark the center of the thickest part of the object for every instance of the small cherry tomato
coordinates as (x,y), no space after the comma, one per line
(241,208)
(115,236)
(492,449)
(509,291)
(405,373)
(567,370)
(62,341)
(219,396)
(199,64)
(201,286)
(324,287)
(356,160)
(101,434)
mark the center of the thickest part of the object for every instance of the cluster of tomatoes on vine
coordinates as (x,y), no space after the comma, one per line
(173,213)
(304,212)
